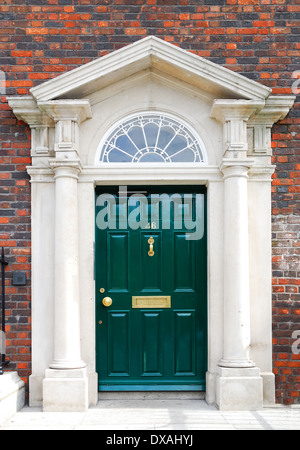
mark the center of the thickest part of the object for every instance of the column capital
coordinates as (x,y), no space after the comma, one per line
(231,167)
(234,115)
(66,167)
(275,109)
(27,110)
(67,115)
(74,110)
(225,110)
(41,124)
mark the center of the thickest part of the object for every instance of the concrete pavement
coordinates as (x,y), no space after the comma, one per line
(157,415)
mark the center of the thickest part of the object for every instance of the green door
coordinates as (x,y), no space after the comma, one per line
(150,260)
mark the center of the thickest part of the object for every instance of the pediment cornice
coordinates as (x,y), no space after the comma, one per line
(150,53)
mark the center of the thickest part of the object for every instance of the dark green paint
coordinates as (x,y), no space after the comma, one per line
(151,349)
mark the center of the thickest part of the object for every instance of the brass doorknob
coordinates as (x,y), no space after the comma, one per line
(107,301)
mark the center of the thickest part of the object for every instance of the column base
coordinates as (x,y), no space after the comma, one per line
(210,393)
(35,390)
(269,388)
(65,390)
(239,389)
(236,363)
(67,365)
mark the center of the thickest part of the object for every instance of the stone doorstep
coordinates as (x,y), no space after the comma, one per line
(12,395)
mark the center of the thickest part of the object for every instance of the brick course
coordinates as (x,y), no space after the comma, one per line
(257,38)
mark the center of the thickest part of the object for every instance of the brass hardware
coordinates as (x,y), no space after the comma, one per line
(107,301)
(151,242)
(102,290)
(100,322)
(163,301)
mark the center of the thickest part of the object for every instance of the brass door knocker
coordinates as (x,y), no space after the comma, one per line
(151,242)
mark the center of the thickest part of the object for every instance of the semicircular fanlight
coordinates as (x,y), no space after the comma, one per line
(152,138)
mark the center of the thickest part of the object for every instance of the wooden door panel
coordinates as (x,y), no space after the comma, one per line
(184,348)
(151,340)
(118,261)
(184,263)
(150,266)
(118,343)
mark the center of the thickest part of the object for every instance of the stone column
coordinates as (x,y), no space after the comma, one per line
(67,302)
(65,387)
(239,385)
(236,268)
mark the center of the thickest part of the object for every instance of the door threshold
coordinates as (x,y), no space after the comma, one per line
(158,395)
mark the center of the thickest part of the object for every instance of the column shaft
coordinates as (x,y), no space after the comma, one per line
(67,304)
(236,269)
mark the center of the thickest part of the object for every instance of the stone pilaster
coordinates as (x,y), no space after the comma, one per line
(41,125)
(260,126)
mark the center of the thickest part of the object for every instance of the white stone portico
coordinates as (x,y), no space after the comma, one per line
(69,116)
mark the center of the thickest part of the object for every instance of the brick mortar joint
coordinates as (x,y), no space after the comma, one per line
(288,219)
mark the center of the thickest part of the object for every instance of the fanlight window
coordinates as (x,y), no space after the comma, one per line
(152,138)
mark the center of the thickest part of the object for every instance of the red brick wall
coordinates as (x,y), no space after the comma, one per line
(40,40)
(286,306)
(15,236)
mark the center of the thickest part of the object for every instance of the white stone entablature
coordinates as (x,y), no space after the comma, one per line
(69,116)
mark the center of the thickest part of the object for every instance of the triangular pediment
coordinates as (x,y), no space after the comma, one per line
(154,54)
